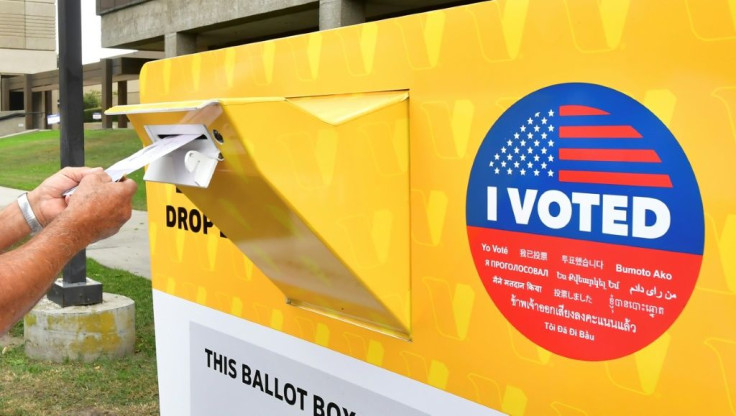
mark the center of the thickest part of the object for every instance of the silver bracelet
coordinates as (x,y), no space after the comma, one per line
(27,211)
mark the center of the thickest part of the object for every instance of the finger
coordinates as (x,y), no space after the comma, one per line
(102,176)
(94,179)
(130,185)
(77,173)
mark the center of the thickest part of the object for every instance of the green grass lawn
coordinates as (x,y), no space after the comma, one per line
(106,387)
(28,159)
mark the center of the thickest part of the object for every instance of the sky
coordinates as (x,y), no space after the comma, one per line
(92,51)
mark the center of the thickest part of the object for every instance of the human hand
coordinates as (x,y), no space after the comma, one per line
(47,200)
(99,206)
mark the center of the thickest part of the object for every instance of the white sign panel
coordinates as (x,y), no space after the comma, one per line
(53,119)
(212,363)
(230,376)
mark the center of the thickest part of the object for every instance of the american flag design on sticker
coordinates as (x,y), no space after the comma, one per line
(585,221)
(540,141)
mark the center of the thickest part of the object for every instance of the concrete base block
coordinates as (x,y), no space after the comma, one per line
(81,333)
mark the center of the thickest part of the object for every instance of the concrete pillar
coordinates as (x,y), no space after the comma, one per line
(106,92)
(337,13)
(122,100)
(46,109)
(5,97)
(176,44)
(28,100)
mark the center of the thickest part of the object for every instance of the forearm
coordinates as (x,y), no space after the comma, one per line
(27,272)
(97,210)
(14,226)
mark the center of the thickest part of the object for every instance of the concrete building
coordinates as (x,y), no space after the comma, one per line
(159,28)
(177,27)
(183,27)
(110,76)
(27,46)
(29,80)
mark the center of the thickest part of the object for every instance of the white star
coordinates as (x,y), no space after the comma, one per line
(491,164)
(522,128)
(529,165)
(503,164)
(509,142)
(550,173)
(544,150)
(530,135)
(516,135)
(510,156)
(551,158)
(544,165)
(536,143)
(544,135)
(536,115)
(509,171)
(536,172)
(523,142)
(523,172)
(544,120)
(516,150)
(551,128)
(503,150)
(551,143)
(530,121)
(536,158)
(496,156)
(529,150)
(522,157)
(516,164)
(497,171)
(536,128)
(550,113)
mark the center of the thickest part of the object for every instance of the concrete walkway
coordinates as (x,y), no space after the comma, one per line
(128,250)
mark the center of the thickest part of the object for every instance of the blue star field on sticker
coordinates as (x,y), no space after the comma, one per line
(529,153)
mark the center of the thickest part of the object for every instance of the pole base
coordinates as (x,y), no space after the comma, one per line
(83,333)
(75,294)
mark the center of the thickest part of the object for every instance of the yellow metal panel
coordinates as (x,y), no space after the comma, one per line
(338,109)
(276,181)
(177,106)
(463,68)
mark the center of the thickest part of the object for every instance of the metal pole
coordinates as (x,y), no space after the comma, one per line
(75,288)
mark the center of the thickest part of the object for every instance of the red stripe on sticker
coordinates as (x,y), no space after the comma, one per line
(616,178)
(599,132)
(581,110)
(610,155)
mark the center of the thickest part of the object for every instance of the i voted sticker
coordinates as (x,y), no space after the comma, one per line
(585,221)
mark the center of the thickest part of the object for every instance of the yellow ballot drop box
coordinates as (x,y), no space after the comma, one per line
(512,207)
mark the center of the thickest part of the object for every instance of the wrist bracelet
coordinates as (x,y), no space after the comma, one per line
(27,211)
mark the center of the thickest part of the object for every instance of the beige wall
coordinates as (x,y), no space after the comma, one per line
(28,24)
(22,61)
(11,125)
(27,36)
(133,92)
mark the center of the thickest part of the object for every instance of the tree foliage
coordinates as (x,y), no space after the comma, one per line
(91,99)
